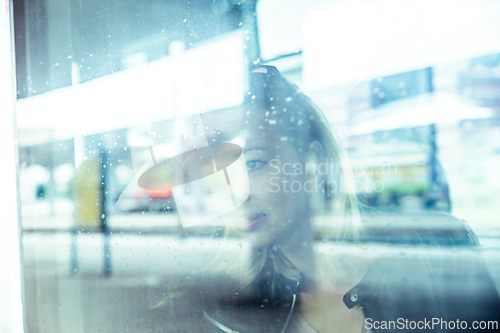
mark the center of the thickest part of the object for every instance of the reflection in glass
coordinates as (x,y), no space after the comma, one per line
(172,179)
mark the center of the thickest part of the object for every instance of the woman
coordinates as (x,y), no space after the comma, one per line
(285,138)
(298,174)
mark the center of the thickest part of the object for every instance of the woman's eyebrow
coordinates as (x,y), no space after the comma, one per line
(254,148)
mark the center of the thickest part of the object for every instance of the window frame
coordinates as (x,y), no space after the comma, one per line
(11,285)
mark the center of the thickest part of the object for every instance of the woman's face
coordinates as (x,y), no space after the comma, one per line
(277,208)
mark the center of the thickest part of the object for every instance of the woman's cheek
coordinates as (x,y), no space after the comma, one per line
(256,183)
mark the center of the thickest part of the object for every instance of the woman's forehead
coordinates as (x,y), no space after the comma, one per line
(243,124)
(252,126)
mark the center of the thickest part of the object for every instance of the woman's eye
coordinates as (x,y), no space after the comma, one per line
(254,164)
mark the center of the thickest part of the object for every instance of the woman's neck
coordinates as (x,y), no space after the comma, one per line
(297,247)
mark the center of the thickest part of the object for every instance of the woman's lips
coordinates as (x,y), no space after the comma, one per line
(255,220)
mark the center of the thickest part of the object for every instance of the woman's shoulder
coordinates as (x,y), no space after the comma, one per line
(430,268)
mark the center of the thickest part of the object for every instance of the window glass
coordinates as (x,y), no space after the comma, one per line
(258,166)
